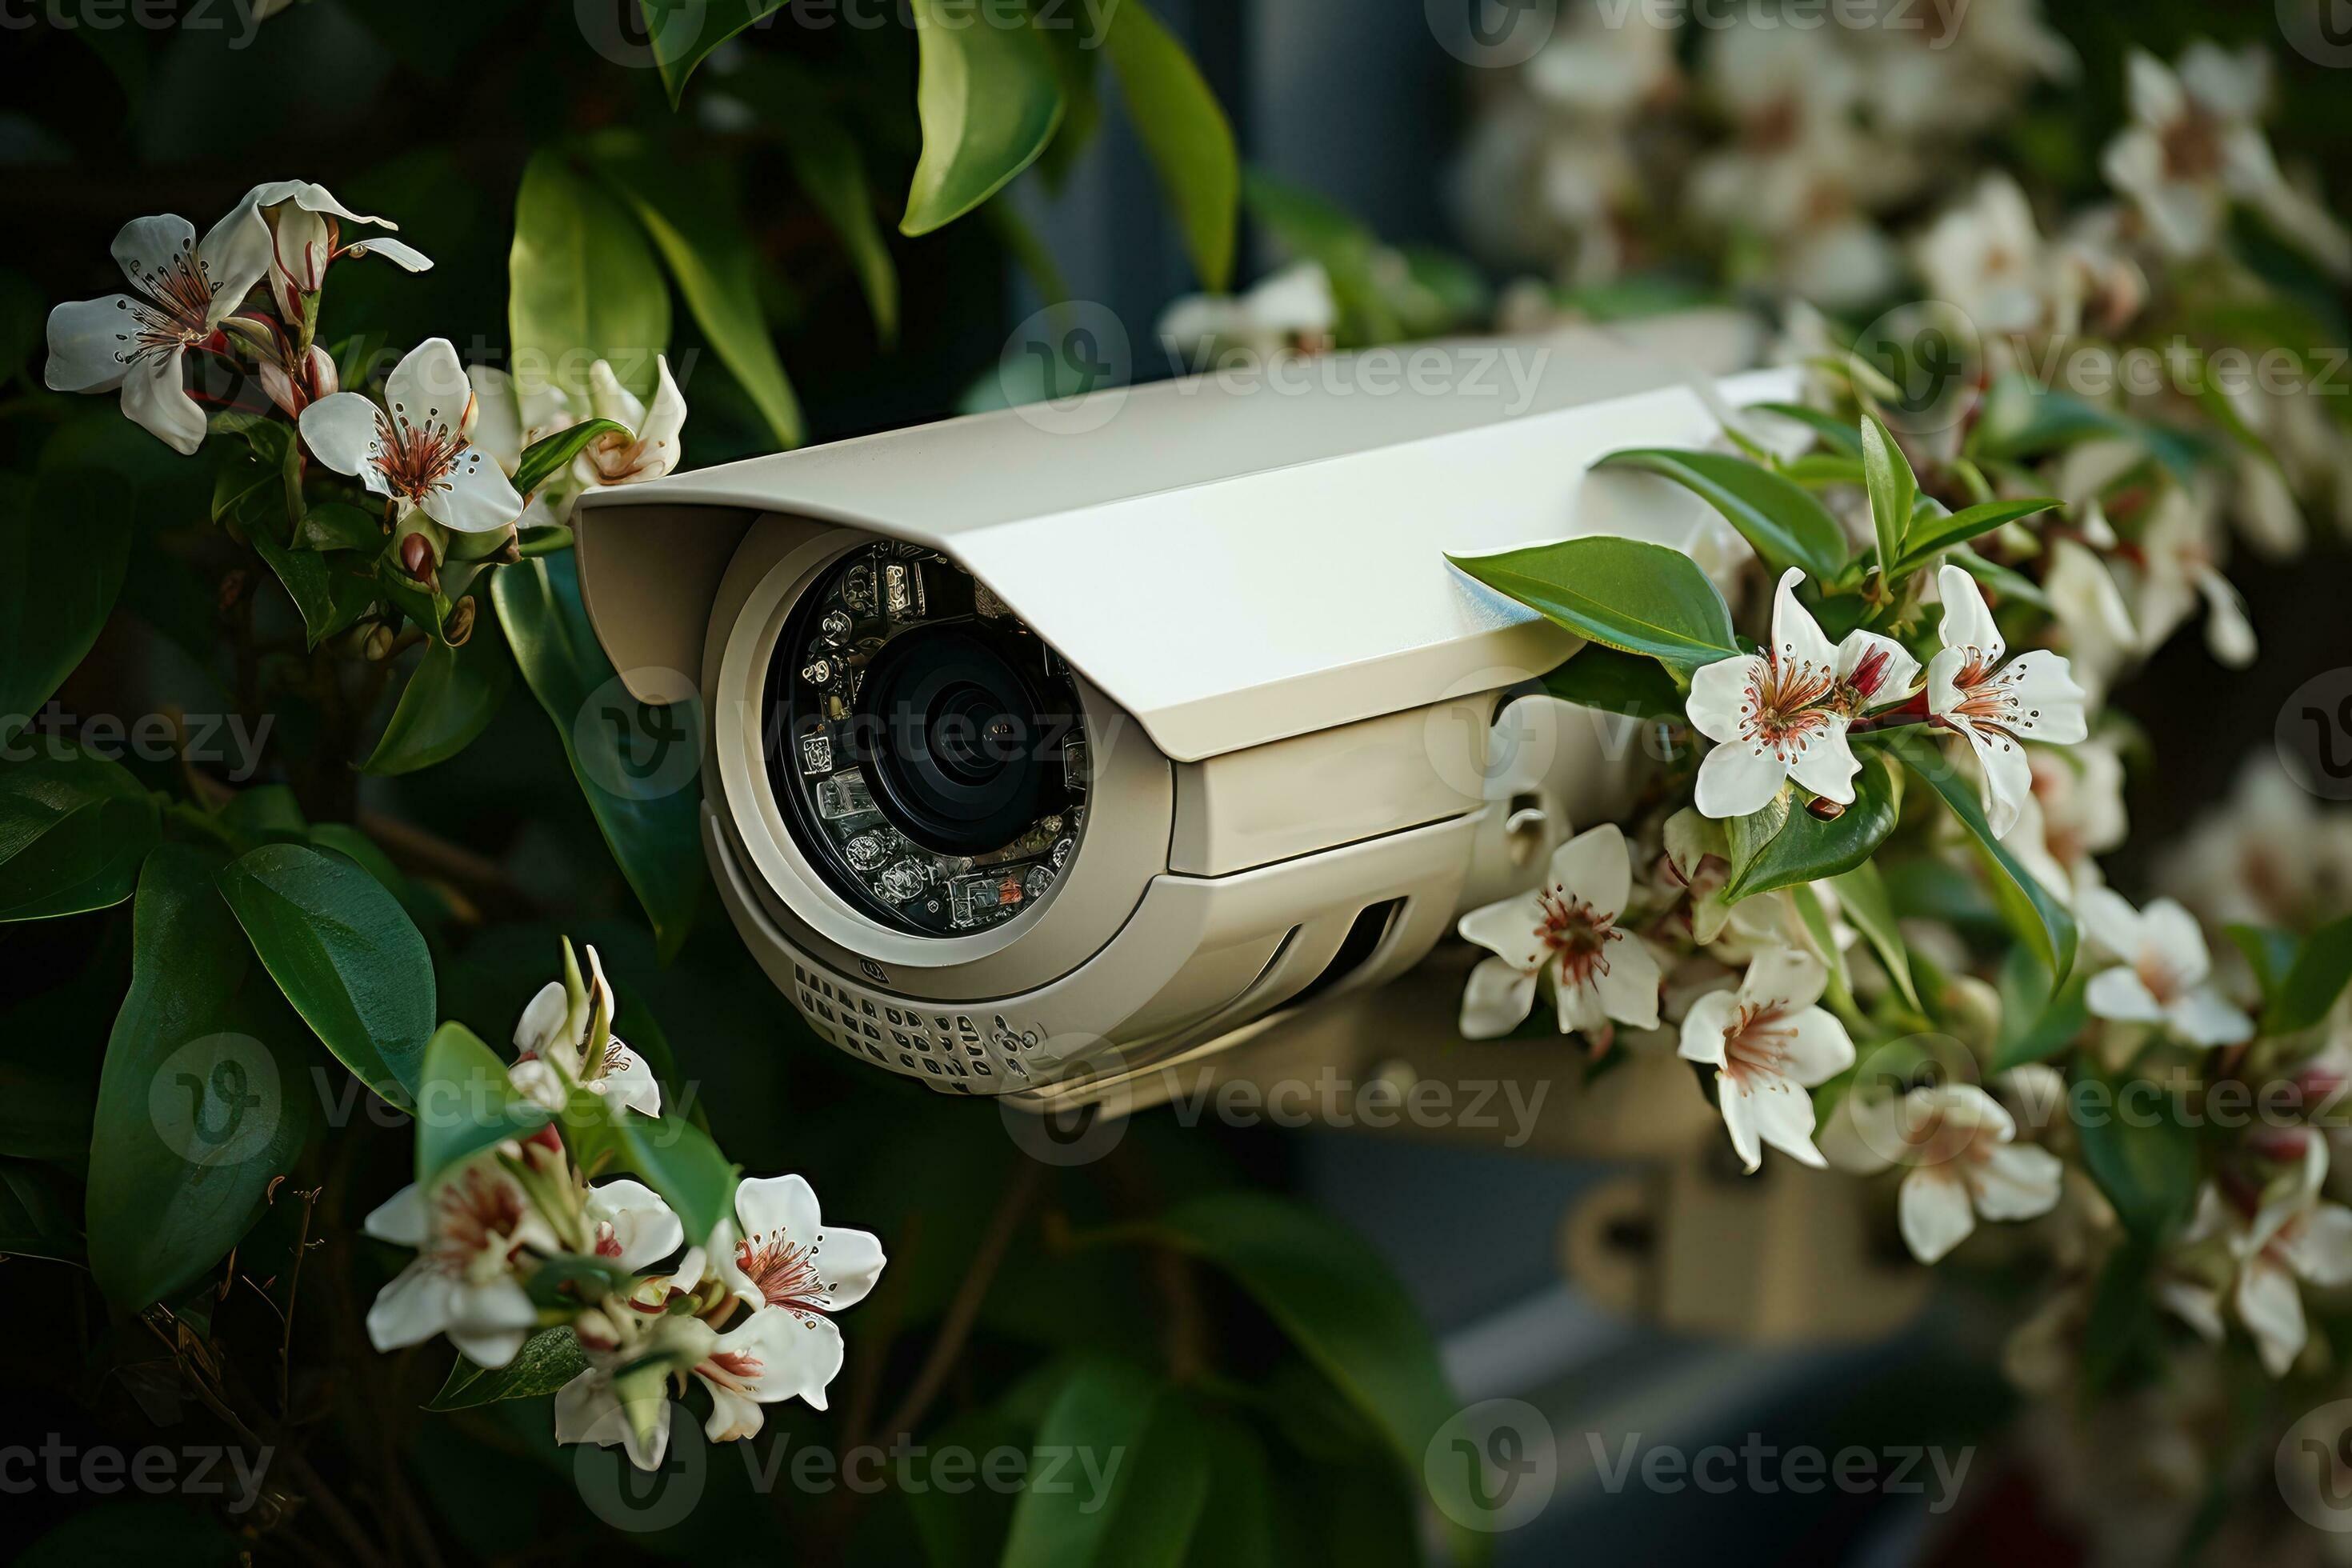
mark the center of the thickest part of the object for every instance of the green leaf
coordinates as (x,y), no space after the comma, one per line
(1991,574)
(1185,134)
(266,813)
(74,828)
(339,525)
(345,953)
(830,168)
(1836,433)
(2029,907)
(1145,1513)
(64,542)
(1869,906)
(582,284)
(696,222)
(652,831)
(1928,539)
(1625,593)
(449,701)
(37,1214)
(2322,968)
(548,1360)
(2142,1156)
(1810,849)
(1746,838)
(989,99)
(1786,525)
(2036,1023)
(1602,678)
(465,1103)
(204,1097)
(682,34)
(2269,954)
(551,455)
(1338,1301)
(1893,487)
(676,1158)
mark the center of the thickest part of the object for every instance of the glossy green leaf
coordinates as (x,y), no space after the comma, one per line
(682,34)
(1603,678)
(74,828)
(204,1097)
(989,99)
(450,698)
(345,953)
(1144,1514)
(1809,850)
(582,284)
(1184,133)
(673,1156)
(2029,909)
(548,1360)
(2036,1021)
(1862,892)
(551,455)
(698,226)
(1893,487)
(2322,968)
(1339,1302)
(1928,537)
(1625,593)
(465,1103)
(339,525)
(1786,525)
(64,542)
(2138,1149)
(1746,838)
(827,163)
(266,813)
(648,817)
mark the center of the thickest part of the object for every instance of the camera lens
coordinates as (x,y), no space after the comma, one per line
(928,748)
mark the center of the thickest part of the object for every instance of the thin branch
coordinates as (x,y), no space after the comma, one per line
(956,1327)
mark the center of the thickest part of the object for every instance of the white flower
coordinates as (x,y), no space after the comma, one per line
(2074,811)
(629,1224)
(1605,73)
(753,1364)
(2163,974)
(551,1041)
(1783,713)
(2291,1237)
(1291,310)
(1998,706)
(2178,551)
(180,292)
(1986,257)
(1768,1044)
(1960,1144)
(467,1232)
(1565,930)
(783,1259)
(2194,146)
(416,453)
(2268,856)
(303,226)
(652,450)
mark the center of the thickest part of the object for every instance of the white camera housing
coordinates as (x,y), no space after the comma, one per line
(1312,741)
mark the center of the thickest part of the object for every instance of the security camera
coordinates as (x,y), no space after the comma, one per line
(1050,747)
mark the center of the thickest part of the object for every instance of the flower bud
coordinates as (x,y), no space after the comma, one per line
(290,398)
(378,647)
(319,374)
(1826,809)
(416,556)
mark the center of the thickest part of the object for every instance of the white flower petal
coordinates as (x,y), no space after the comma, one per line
(411,1310)
(1785,979)
(2121,995)
(397,251)
(1797,637)
(1897,670)
(1738,778)
(1740,1120)
(428,388)
(2018,1180)
(146,246)
(1629,991)
(2204,1017)
(785,1354)
(155,397)
(2320,1250)
(1967,623)
(1820,1049)
(475,497)
(644,1228)
(2049,702)
(1512,930)
(628,1082)
(2229,633)
(733,1418)
(773,1208)
(851,1262)
(1784,1119)
(610,400)
(2008,777)
(2171,933)
(2110,921)
(85,343)
(401,1219)
(2270,1306)
(1825,763)
(541,1025)
(586,1411)
(1719,692)
(340,432)
(1579,1004)
(1934,1211)
(1594,866)
(1496,999)
(1704,1026)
